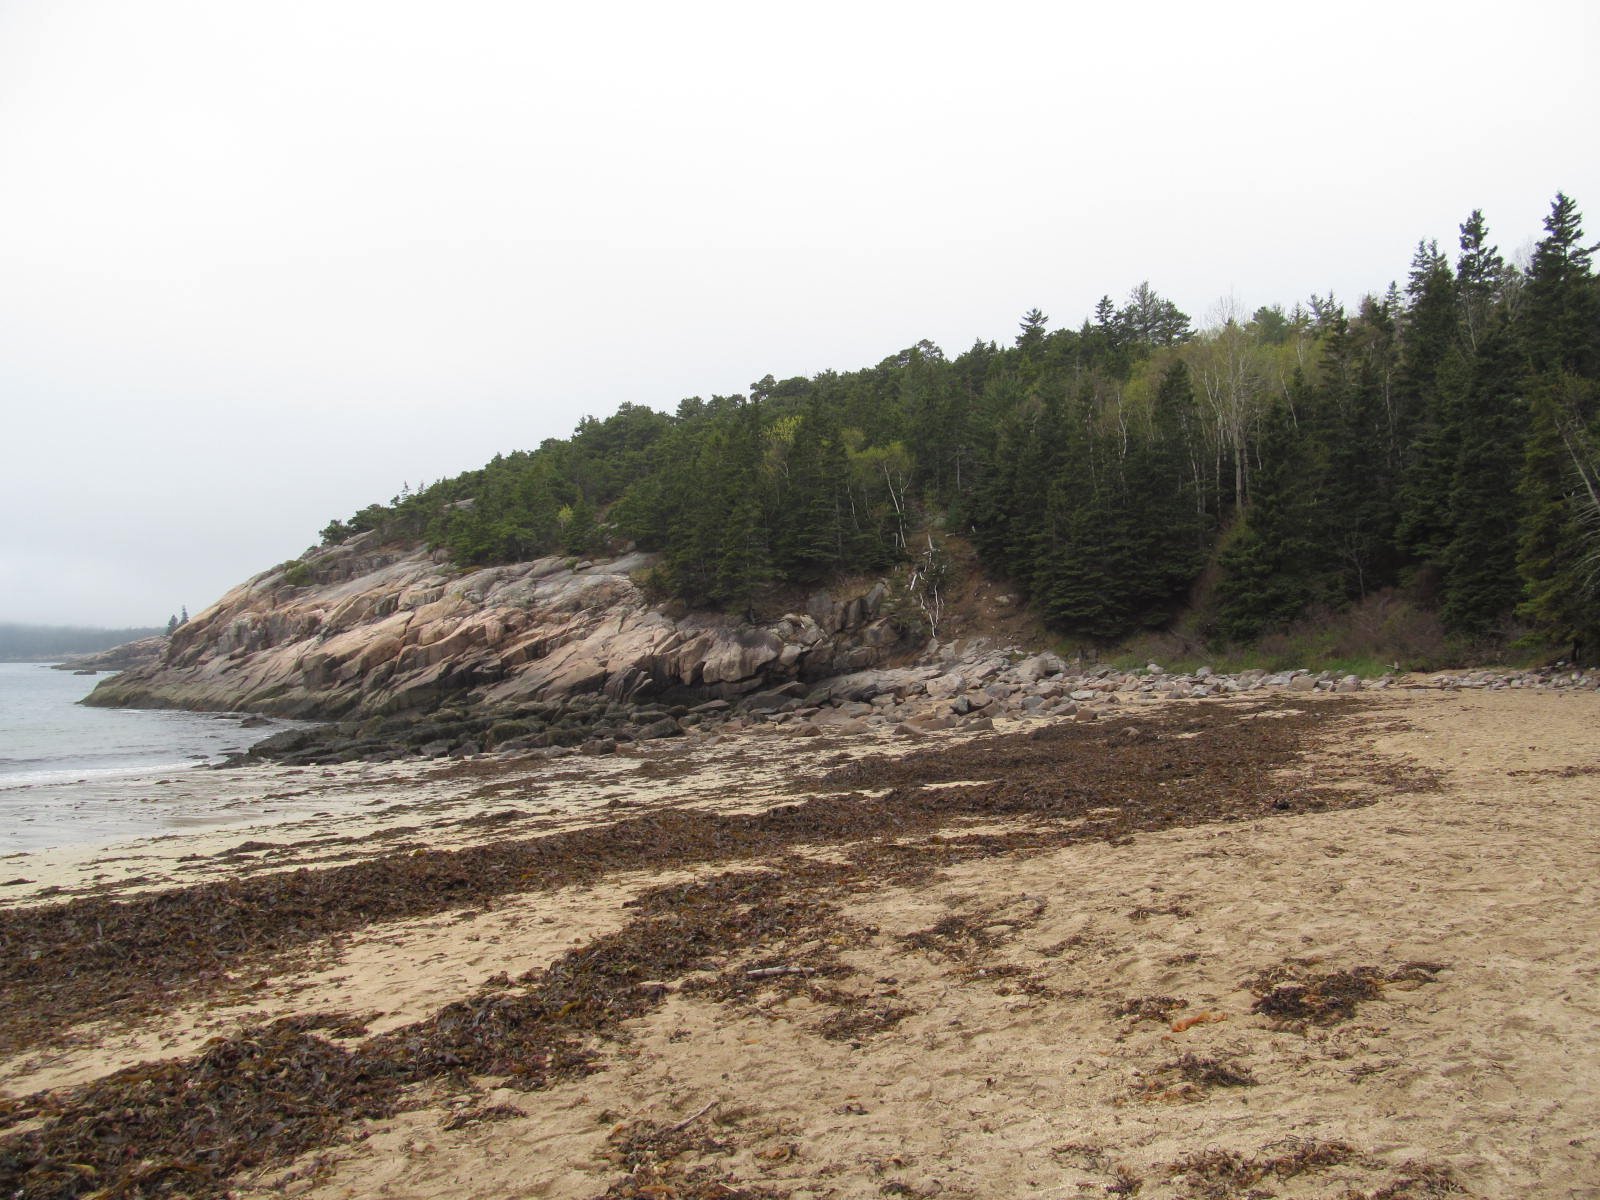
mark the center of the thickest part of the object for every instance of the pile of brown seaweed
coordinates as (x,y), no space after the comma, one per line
(652,1156)
(261,1096)
(1215,1173)
(1292,993)
(1150,1008)
(267,1094)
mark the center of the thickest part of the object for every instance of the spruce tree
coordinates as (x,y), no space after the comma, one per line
(1030,336)
(581,534)
(743,567)
(1075,578)
(810,536)
(1428,382)
(1480,277)
(1364,421)
(1558,553)
(1424,530)
(1559,543)
(1164,522)
(1562,319)
(1480,586)
(715,550)
(1270,561)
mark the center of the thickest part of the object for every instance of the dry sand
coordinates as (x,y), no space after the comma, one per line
(1066,1021)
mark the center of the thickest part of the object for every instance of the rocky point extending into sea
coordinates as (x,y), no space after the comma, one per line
(403,655)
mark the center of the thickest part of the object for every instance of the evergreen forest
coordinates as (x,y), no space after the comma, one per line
(1442,438)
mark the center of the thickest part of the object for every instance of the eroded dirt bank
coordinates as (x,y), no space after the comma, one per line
(1300,947)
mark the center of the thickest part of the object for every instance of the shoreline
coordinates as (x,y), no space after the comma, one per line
(255,792)
(106,806)
(1455,832)
(75,775)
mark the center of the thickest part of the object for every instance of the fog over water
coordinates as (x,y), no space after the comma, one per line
(266,263)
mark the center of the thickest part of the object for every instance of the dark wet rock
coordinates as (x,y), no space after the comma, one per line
(666,727)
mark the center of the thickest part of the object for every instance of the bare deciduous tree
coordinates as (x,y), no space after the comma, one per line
(1231,372)
(928,582)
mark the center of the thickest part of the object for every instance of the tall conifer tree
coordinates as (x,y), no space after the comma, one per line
(1480,585)
(1270,561)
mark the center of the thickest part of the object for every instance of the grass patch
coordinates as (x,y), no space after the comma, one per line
(1386,631)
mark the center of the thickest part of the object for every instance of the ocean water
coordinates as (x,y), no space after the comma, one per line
(71,774)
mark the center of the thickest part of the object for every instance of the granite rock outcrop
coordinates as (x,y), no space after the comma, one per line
(364,628)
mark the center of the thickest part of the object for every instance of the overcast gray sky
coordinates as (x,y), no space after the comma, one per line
(260,263)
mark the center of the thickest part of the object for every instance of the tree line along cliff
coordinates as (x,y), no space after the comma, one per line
(1443,437)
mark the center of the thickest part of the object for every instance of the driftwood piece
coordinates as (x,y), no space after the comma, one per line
(693,1117)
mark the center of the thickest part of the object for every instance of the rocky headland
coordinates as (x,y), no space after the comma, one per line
(403,655)
(364,630)
(141,653)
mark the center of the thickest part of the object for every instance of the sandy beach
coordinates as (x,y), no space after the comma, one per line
(1292,946)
